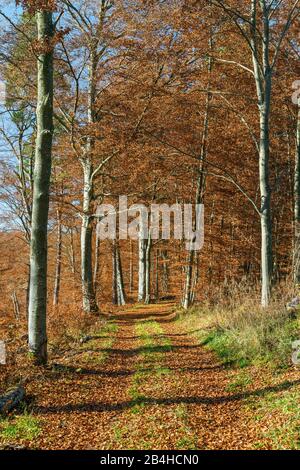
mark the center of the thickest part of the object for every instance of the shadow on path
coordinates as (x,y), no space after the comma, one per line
(101,406)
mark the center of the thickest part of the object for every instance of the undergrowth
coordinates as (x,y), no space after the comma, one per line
(23,427)
(243,333)
(281,413)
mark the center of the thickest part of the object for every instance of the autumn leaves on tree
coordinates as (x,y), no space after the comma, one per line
(165,102)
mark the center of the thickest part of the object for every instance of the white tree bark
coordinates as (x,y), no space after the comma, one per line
(119,278)
(157,255)
(58,260)
(142,269)
(263,79)
(199,199)
(187,297)
(118,283)
(131,268)
(297,202)
(88,294)
(148,269)
(42,171)
(96,264)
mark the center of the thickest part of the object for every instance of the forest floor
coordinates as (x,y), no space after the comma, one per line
(144,382)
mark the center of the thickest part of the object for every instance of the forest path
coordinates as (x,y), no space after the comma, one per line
(144,385)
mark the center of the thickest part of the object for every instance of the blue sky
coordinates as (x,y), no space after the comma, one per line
(12,11)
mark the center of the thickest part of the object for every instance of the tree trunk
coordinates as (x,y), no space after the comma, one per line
(40,208)
(131,268)
(263,81)
(11,399)
(72,253)
(195,279)
(16,305)
(114,275)
(96,264)
(119,277)
(88,293)
(157,275)
(118,283)
(201,186)
(27,293)
(148,270)
(297,203)
(265,194)
(187,298)
(142,270)
(58,260)
(165,275)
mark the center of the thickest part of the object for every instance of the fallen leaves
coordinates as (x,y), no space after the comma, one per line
(152,387)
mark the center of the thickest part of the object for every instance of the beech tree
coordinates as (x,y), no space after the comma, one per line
(296,264)
(187,102)
(92,38)
(259,28)
(118,283)
(40,205)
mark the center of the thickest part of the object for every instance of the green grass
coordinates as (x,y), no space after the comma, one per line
(284,435)
(23,427)
(245,335)
(151,355)
(154,344)
(107,338)
(161,371)
(110,327)
(241,382)
(186,443)
(181,412)
(149,374)
(189,439)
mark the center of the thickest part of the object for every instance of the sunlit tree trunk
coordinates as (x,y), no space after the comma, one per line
(96,263)
(187,297)
(201,185)
(88,293)
(195,278)
(42,170)
(131,268)
(58,260)
(266,221)
(118,283)
(114,275)
(157,275)
(142,269)
(27,294)
(148,270)
(297,202)
(71,253)
(119,278)
(263,80)
(94,48)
